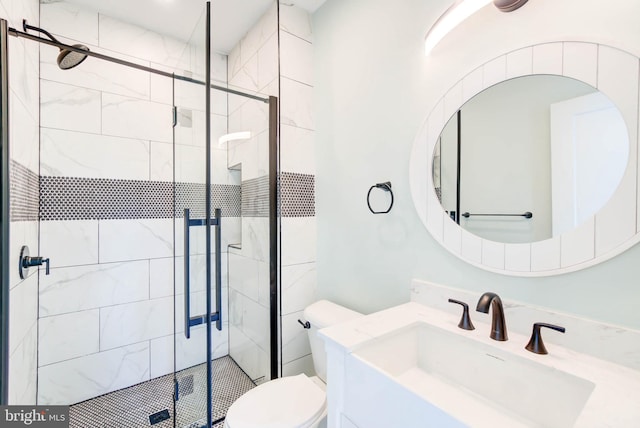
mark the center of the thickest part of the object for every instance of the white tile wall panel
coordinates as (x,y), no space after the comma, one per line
(23,369)
(23,145)
(253,360)
(122,240)
(69,21)
(63,337)
(246,77)
(161,276)
(296,58)
(296,104)
(298,240)
(131,323)
(69,107)
(301,365)
(82,378)
(251,317)
(80,288)
(258,34)
(135,118)
(161,161)
(69,243)
(119,36)
(24,311)
(268,62)
(99,74)
(77,154)
(295,340)
(245,276)
(21,233)
(297,150)
(296,21)
(299,287)
(189,352)
(23,74)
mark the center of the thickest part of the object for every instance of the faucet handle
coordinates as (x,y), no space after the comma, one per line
(465,322)
(535,344)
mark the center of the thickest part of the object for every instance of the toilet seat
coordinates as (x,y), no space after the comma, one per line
(288,402)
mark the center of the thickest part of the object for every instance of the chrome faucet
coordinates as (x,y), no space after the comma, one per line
(498,326)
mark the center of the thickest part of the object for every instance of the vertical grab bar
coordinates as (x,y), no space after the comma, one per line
(218,245)
(187,309)
(216,316)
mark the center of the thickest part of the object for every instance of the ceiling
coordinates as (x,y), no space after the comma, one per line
(230,19)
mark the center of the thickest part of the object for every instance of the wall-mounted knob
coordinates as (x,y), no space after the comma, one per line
(27,262)
(465,322)
(535,344)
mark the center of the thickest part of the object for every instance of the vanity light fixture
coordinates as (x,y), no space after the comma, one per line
(244,135)
(457,13)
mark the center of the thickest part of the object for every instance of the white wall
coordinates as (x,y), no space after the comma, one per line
(373,90)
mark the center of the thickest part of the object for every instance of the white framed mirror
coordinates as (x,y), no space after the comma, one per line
(608,232)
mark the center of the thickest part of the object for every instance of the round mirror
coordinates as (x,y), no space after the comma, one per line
(530,158)
(562,206)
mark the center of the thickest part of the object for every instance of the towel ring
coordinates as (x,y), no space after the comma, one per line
(386,186)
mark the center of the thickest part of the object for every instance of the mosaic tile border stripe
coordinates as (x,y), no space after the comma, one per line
(255,197)
(23,194)
(297,195)
(78,198)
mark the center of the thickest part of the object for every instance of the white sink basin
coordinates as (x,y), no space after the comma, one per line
(474,382)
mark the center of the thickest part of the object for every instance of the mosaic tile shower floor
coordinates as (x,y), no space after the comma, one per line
(131,407)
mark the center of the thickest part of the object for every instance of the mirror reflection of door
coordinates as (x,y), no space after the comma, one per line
(505,157)
(589,153)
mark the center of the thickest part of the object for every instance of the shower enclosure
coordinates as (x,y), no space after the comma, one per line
(153,199)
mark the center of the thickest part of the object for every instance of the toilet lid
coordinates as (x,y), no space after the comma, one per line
(292,401)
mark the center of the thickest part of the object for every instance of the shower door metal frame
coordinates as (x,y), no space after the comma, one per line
(4,214)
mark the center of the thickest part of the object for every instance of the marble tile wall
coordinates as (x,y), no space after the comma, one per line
(297,160)
(23,227)
(253,68)
(107,308)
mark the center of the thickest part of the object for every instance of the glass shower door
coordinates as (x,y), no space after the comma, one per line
(196,236)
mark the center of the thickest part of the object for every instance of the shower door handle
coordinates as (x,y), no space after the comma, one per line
(190,321)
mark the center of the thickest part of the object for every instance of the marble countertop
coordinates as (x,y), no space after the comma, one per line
(614,401)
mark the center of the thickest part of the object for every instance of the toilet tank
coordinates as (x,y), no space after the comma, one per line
(321,314)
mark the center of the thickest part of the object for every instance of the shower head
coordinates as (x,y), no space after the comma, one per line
(68,59)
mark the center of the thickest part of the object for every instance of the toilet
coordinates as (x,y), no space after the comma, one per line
(293,401)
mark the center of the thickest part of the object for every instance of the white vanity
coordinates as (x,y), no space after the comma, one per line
(411,366)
